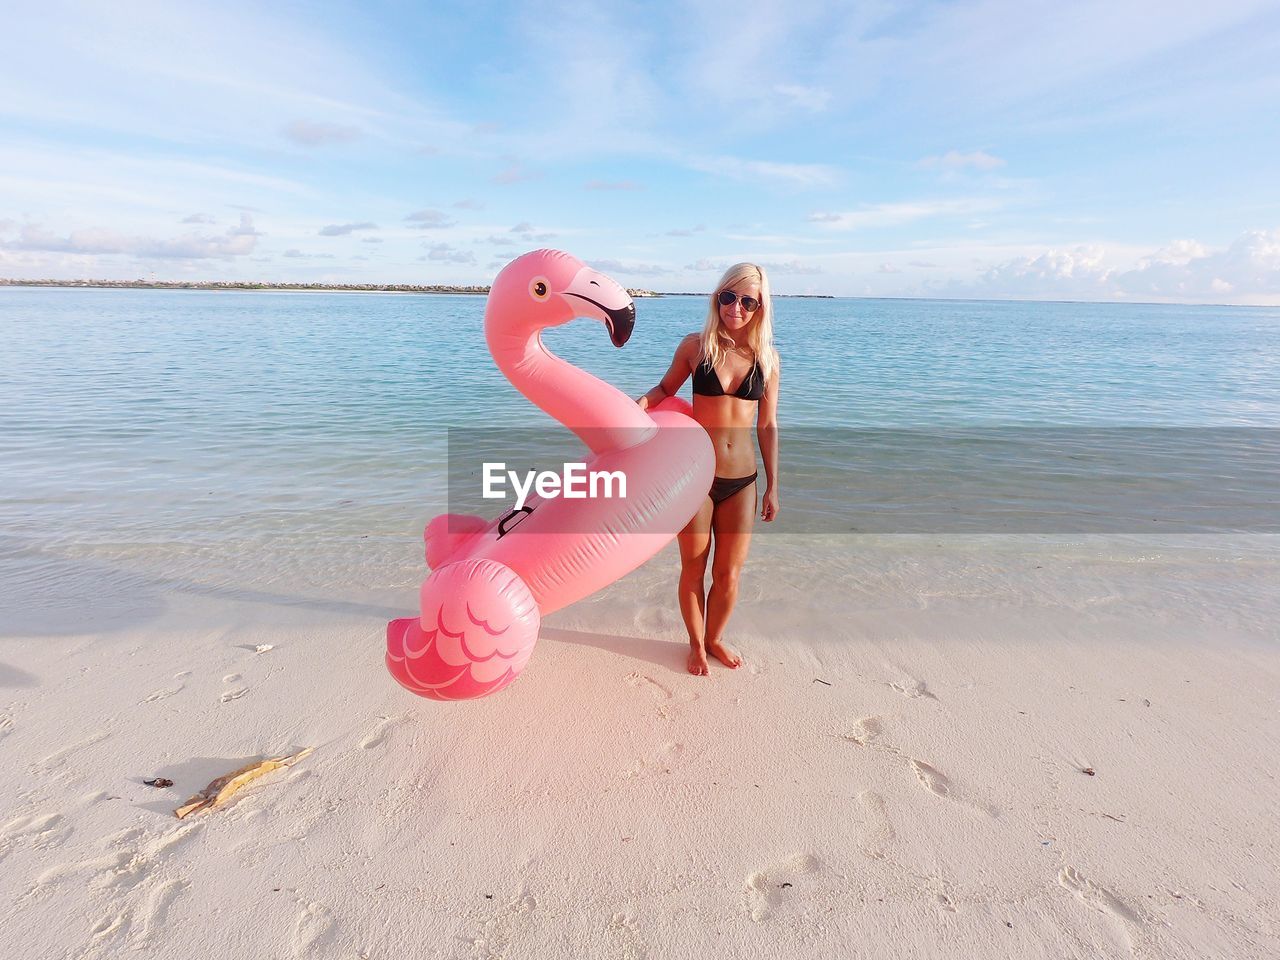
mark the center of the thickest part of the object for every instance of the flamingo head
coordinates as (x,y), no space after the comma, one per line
(546,288)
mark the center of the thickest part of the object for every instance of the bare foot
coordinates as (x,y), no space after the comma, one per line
(698,662)
(726,655)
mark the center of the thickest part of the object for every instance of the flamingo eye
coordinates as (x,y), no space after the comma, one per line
(538,289)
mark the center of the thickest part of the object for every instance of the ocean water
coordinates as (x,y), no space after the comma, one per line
(296,441)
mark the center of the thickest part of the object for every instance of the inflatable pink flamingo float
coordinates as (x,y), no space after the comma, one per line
(493,581)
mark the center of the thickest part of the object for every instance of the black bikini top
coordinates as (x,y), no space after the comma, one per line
(707,384)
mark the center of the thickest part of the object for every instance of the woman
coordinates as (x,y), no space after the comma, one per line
(735,378)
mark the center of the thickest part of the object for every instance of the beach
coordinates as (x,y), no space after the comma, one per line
(338,345)
(931,751)
(1009,690)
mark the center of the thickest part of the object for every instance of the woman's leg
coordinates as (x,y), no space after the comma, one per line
(731,523)
(695,549)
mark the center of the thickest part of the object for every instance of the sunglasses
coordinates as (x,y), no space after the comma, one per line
(728,298)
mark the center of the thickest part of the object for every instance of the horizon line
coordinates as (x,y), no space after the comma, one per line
(460,289)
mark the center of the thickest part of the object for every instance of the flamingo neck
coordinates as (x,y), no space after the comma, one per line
(602,416)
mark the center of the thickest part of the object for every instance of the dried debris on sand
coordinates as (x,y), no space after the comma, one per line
(219,791)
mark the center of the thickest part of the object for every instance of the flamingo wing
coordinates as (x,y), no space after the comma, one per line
(477,631)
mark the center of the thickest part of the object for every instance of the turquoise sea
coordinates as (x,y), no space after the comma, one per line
(245,441)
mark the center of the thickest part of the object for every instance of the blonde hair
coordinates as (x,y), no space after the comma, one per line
(759,330)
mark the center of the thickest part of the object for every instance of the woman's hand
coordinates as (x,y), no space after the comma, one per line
(643,402)
(769,509)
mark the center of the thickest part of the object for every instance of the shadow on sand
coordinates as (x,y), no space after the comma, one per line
(43,594)
(661,653)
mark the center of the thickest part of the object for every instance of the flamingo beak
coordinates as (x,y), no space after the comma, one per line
(595,295)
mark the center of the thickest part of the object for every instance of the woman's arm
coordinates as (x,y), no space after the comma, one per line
(767,434)
(677,374)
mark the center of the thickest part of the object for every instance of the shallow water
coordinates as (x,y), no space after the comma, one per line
(297,441)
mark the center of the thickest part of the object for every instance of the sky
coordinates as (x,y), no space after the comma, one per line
(989,149)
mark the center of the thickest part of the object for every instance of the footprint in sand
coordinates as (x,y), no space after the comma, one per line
(136,879)
(156,911)
(234,694)
(165,692)
(499,928)
(912,689)
(939,784)
(879,831)
(6,724)
(772,891)
(120,869)
(43,831)
(865,732)
(662,762)
(932,780)
(1100,898)
(313,929)
(378,735)
(640,680)
(231,678)
(110,927)
(660,692)
(868,731)
(626,934)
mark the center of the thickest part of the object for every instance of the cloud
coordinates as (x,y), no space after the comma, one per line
(924,264)
(429,219)
(311,134)
(791,266)
(613,185)
(295,254)
(371,240)
(527,233)
(244,228)
(888,268)
(444,253)
(514,172)
(813,99)
(236,242)
(502,241)
(1247,271)
(1179,252)
(703,265)
(804,175)
(618,266)
(681,232)
(343,229)
(1249,268)
(955,160)
(469,204)
(896,214)
(1080,268)
(198,218)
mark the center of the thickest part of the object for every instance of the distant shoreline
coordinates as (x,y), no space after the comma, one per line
(318,287)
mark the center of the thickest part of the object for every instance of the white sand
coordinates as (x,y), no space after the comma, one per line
(927,800)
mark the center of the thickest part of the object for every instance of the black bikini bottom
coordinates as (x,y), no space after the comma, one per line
(722,488)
